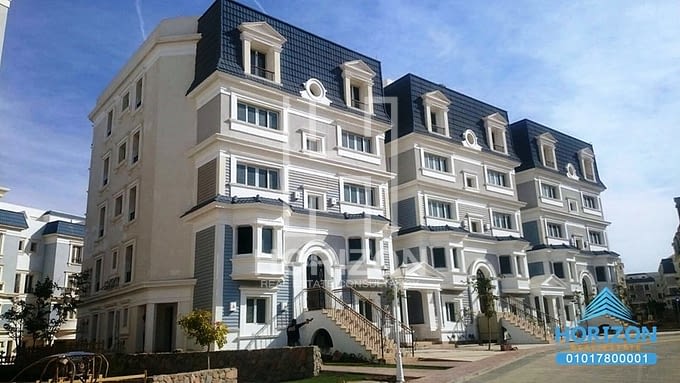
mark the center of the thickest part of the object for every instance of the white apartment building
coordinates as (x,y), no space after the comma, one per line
(4,10)
(36,244)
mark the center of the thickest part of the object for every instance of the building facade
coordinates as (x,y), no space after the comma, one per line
(569,259)
(643,288)
(249,168)
(4,10)
(36,244)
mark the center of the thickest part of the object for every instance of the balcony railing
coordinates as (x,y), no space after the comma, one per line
(438,129)
(262,72)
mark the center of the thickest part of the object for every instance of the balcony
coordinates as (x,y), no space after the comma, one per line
(252,267)
(262,72)
(514,284)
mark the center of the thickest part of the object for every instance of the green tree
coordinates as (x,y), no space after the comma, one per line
(199,325)
(484,289)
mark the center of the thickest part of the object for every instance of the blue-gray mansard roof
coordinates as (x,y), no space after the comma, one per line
(464,112)
(524,134)
(13,219)
(303,55)
(64,228)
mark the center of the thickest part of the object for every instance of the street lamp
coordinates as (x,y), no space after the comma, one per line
(392,282)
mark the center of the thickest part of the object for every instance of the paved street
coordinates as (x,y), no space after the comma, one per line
(541,367)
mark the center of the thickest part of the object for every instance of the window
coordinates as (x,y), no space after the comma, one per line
(355,249)
(400,257)
(577,242)
(28,287)
(256,310)
(313,144)
(504,262)
(102,221)
(502,220)
(536,268)
(105,171)
(258,65)
(259,116)
(136,137)
(549,191)
(595,237)
(600,274)
(34,247)
(456,262)
(76,254)
(122,152)
(558,269)
(356,142)
(114,259)
(573,205)
(244,240)
(498,139)
(109,122)
(439,209)
(355,92)
(126,102)
(129,255)
(587,164)
(366,309)
(435,162)
(590,202)
(267,240)
(358,84)
(98,275)
(118,206)
(450,311)
(262,47)
(315,202)
(138,93)
(132,203)
(439,257)
(476,225)
(372,248)
(359,194)
(471,182)
(548,153)
(261,177)
(497,178)
(520,261)
(21,244)
(435,106)
(554,230)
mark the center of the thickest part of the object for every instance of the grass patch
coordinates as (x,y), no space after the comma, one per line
(373,365)
(339,377)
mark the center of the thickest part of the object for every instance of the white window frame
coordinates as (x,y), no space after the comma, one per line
(358,74)
(589,210)
(496,123)
(569,205)
(95,288)
(448,175)
(478,220)
(447,253)
(106,175)
(262,37)
(587,158)
(371,190)
(436,103)
(306,136)
(257,168)
(511,220)
(571,172)
(139,98)
(125,108)
(507,189)
(472,145)
(101,225)
(245,190)
(137,131)
(135,186)
(310,193)
(71,259)
(546,143)
(372,158)
(108,122)
(451,206)
(280,134)
(121,161)
(120,194)
(115,259)
(469,176)
(603,242)
(132,243)
(562,230)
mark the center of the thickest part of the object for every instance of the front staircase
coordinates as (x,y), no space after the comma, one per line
(377,338)
(523,325)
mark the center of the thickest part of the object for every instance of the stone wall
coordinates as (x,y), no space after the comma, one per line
(221,375)
(266,365)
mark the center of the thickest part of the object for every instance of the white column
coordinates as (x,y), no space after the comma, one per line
(404,307)
(541,308)
(438,310)
(563,313)
(150,319)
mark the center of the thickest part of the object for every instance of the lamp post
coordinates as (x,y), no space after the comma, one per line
(399,375)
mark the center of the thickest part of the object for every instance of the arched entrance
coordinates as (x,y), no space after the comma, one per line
(586,290)
(316,277)
(483,283)
(323,340)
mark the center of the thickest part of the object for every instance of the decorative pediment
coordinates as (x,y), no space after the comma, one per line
(549,282)
(437,99)
(357,69)
(586,152)
(419,271)
(547,138)
(496,119)
(261,32)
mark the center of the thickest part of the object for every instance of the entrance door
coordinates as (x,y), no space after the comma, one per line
(414,303)
(165,327)
(316,276)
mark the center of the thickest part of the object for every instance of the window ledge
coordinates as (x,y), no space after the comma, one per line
(312,153)
(357,155)
(592,212)
(439,134)
(245,191)
(254,76)
(500,189)
(259,131)
(444,176)
(554,202)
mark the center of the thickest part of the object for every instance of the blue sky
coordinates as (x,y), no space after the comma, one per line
(604,71)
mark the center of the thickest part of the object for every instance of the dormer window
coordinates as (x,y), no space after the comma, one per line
(358,79)
(436,107)
(546,142)
(588,164)
(261,50)
(495,132)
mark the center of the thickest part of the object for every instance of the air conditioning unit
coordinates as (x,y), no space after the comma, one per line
(332,201)
(296,195)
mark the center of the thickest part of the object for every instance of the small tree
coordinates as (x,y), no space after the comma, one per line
(199,325)
(484,289)
(15,319)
